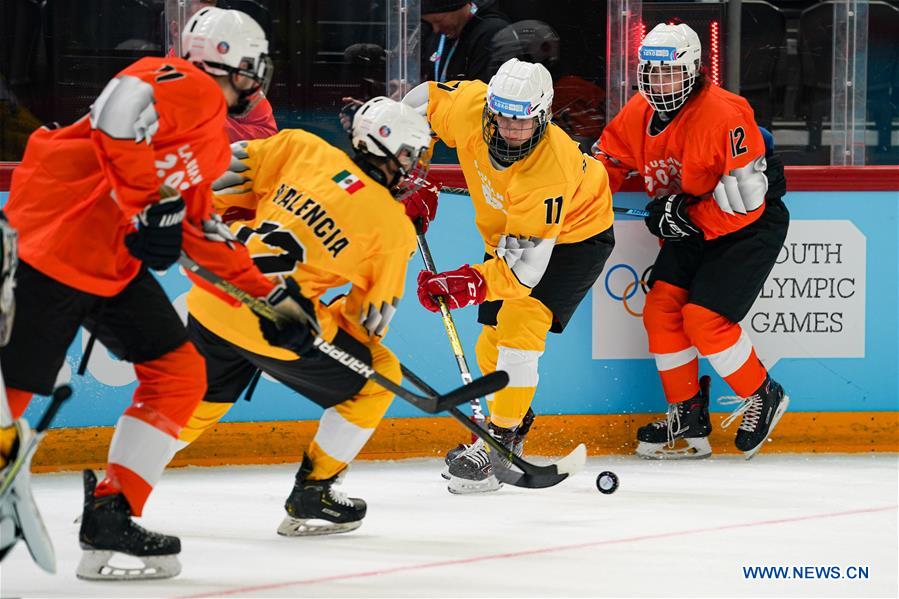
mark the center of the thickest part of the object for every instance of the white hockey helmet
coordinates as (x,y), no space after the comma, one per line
(519,90)
(229,42)
(669,60)
(392,130)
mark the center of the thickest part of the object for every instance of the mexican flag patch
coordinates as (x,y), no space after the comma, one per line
(348,181)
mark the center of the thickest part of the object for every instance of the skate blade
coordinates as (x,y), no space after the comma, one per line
(94,565)
(463,486)
(697,448)
(305,527)
(781,408)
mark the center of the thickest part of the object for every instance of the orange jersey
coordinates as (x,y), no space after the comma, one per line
(319,219)
(555,195)
(258,124)
(713,134)
(161,121)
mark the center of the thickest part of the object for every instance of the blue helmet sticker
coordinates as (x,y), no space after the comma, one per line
(508,107)
(658,53)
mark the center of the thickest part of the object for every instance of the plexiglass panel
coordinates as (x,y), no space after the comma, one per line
(823,75)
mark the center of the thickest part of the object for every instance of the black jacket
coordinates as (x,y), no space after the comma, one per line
(473,48)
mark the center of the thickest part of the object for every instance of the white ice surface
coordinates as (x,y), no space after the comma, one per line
(681,529)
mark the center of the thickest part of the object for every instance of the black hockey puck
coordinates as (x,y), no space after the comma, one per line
(607,482)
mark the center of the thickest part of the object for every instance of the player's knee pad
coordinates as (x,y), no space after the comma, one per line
(523,323)
(485,349)
(664,303)
(709,331)
(367,408)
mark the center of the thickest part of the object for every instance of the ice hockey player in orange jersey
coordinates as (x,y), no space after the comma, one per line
(98,203)
(322,220)
(544,210)
(716,206)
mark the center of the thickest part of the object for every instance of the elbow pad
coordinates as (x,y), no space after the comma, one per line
(744,189)
(417,98)
(233,179)
(526,257)
(125,110)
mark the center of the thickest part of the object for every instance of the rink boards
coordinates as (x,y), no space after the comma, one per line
(825,324)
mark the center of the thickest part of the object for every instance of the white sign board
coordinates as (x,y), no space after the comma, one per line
(812,305)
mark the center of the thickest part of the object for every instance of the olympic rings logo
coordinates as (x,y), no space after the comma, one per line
(636,283)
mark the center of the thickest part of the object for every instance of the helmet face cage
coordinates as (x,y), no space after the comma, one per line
(412,168)
(261,75)
(501,149)
(665,86)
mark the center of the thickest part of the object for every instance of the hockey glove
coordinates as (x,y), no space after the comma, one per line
(461,287)
(668,218)
(421,205)
(294,332)
(157,241)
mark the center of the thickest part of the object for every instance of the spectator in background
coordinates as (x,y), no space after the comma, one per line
(259,123)
(458,44)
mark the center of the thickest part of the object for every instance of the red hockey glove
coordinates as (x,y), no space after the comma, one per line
(461,287)
(421,206)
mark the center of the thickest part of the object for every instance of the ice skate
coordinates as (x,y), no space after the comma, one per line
(107,529)
(518,447)
(472,471)
(314,507)
(683,433)
(761,412)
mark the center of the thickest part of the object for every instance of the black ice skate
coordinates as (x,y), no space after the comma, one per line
(107,529)
(687,421)
(518,447)
(761,411)
(318,500)
(472,471)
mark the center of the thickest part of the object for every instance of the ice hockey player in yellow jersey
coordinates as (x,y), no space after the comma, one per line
(544,210)
(320,219)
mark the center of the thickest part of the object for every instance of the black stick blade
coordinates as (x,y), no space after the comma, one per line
(541,477)
(479,387)
(528,481)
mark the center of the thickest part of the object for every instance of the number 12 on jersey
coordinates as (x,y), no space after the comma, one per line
(276,238)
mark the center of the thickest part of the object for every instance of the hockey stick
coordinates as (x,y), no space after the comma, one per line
(60,394)
(531,475)
(616,209)
(432,403)
(452,334)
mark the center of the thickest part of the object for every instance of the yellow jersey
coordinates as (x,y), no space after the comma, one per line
(320,220)
(555,195)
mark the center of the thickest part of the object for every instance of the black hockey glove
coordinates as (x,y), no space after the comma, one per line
(294,332)
(157,241)
(668,218)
